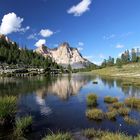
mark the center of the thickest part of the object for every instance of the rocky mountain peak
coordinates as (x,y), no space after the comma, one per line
(65,55)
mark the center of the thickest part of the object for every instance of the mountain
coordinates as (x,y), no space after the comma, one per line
(65,55)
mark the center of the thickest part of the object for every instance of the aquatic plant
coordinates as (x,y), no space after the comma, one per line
(111,115)
(91,99)
(124,111)
(92,133)
(8,109)
(59,136)
(110,100)
(130,121)
(22,125)
(117,105)
(105,135)
(95,114)
(115,136)
(132,102)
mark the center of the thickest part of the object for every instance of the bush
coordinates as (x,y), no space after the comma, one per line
(59,136)
(8,108)
(124,111)
(110,100)
(22,125)
(91,99)
(95,114)
(132,102)
(130,121)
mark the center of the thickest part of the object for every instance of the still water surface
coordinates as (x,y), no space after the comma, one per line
(59,103)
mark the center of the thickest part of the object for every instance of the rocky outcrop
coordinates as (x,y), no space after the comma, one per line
(64,55)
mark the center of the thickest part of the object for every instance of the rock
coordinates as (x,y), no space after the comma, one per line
(64,55)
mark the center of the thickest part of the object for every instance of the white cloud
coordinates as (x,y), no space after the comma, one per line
(80,44)
(119,46)
(80,48)
(101,56)
(88,57)
(40,42)
(32,36)
(24,29)
(109,37)
(12,23)
(80,8)
(46,33)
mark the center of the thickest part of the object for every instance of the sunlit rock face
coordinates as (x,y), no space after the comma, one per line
(65,55)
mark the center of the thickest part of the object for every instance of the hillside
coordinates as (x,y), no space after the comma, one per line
(131,70)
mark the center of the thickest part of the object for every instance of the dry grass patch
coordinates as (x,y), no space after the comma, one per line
(91,99)
(110,100)
(95,114)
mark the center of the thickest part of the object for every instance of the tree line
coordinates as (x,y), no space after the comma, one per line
(12,54)
(132,56)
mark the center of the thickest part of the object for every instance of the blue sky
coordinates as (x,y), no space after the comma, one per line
(99,28)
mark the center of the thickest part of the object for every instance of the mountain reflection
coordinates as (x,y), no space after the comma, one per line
(64,87)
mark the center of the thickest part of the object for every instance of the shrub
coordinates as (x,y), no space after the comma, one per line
(132,102)
(111,115)
(8,108)
(91,99)
(59,136)
(95,114)
(130,121)
(22,125)
(123,111)
(110,100)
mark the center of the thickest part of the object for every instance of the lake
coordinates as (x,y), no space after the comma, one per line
(59,103)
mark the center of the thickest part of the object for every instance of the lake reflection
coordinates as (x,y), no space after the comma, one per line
(59,103)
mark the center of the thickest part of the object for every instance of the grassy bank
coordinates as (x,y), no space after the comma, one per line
(126,71)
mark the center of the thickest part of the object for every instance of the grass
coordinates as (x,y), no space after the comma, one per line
(130,121)
(132,102)
(91,99)
(115,136)
(92,133)
(59,136)
(95,114)
(22,125)
(8,108)
(104,135)
(123,111)
(111,115)
(127,71)
(110,100)
(118,105)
